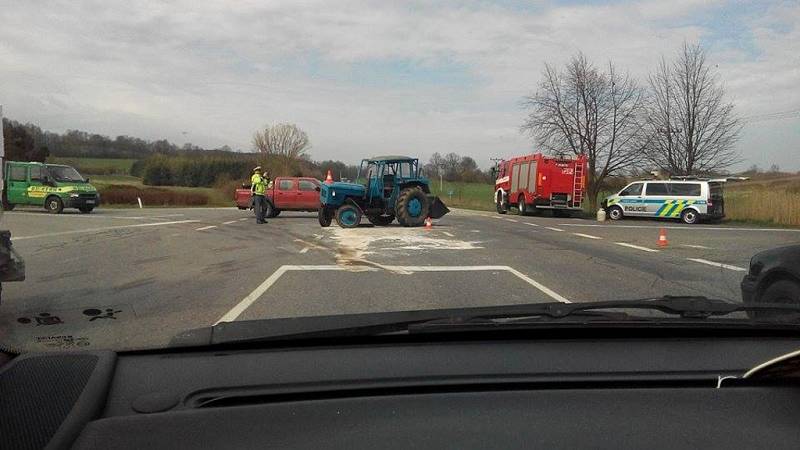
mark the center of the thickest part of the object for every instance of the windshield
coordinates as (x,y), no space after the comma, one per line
(133,134)
(64,173)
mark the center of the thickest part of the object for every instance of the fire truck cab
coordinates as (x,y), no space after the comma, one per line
(536,182)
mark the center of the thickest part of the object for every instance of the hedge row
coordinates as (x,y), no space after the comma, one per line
(121,194)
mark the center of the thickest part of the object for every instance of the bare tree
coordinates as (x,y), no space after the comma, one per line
(585,111)
(284,139)
(691,129)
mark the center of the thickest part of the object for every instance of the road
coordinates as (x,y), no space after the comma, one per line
(129,279)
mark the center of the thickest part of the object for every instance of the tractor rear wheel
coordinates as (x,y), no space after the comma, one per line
(348,216)
(325,216)
(412,207)
(381,221)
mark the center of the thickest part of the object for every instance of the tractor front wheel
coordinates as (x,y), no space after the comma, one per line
(381,221)
(325,216)
(412,207)
(348,216)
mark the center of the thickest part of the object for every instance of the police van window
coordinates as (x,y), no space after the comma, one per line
(306,185)
(286,185)
(685,189)
(634,189)
(657,189)
(36,173)
(18,173)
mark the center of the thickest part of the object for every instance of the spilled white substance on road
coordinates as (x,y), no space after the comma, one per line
(354,243)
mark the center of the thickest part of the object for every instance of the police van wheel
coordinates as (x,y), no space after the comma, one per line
(615,213)
(54,205)
(689,216)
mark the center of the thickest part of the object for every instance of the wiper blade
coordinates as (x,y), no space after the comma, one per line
(687,307)
(374,324)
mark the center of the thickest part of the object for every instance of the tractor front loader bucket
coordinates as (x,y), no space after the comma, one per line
(438,208)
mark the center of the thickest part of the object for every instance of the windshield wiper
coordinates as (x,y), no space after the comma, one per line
(690,308)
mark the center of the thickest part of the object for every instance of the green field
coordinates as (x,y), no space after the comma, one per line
(95,166)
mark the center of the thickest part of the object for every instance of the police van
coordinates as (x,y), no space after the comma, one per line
(689,201)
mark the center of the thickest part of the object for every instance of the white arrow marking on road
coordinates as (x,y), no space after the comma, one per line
(637,247)
(673,227)
(588,236)
(716,264)
(95,230)
(702,247)
(251,298)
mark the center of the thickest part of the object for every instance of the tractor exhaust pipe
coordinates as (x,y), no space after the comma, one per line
(438,208)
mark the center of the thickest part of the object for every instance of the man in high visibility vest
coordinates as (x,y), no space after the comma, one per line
(258,187)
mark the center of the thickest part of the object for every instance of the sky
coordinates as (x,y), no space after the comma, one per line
(375,77)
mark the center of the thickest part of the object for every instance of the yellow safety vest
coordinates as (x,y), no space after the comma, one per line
(259,184)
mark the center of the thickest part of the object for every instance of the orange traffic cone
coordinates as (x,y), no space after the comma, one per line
(428,223)
(329,177)
(662,238)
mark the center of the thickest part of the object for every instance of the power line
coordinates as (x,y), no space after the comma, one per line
(778,115)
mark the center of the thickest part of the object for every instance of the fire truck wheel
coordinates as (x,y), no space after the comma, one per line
(522,206)
(615,213)
(501,206)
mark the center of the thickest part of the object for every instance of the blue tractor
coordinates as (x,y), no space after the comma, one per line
(393,188)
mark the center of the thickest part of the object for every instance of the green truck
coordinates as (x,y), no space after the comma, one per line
(52,186)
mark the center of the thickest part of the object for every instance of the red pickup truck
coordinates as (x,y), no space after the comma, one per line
(284,194)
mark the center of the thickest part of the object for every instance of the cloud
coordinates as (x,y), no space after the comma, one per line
(361,76)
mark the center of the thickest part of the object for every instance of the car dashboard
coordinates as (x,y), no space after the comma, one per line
(499,393)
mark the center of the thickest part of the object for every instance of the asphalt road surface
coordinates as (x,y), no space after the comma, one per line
(130,279)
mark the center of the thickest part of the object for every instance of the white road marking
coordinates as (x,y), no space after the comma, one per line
(205,228)
(229,222)
(588,236)
(448,234)
(554,229)
(511,220)
(716,264)
(251,298)
(676,227)
(637,247)
(495,217)
(532,224)
(703,247)
(99,229)
(242,219)
(304,250)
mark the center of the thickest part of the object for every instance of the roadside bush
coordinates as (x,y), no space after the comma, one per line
(119,194)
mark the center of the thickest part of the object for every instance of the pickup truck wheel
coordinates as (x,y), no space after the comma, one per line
(276,213)
(86,209)
(325,216)
(348,216)
(381,221)
(54,205)
(412,207)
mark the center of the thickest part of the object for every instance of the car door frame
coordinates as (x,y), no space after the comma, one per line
(309,199)
(656,202)
(17,190)
(631,203)
(284,199)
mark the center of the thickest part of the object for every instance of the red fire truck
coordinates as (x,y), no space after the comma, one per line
(535,182)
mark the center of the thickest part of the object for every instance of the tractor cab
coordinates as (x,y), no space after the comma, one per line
(386,175)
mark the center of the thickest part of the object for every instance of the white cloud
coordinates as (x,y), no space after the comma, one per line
(220,70)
